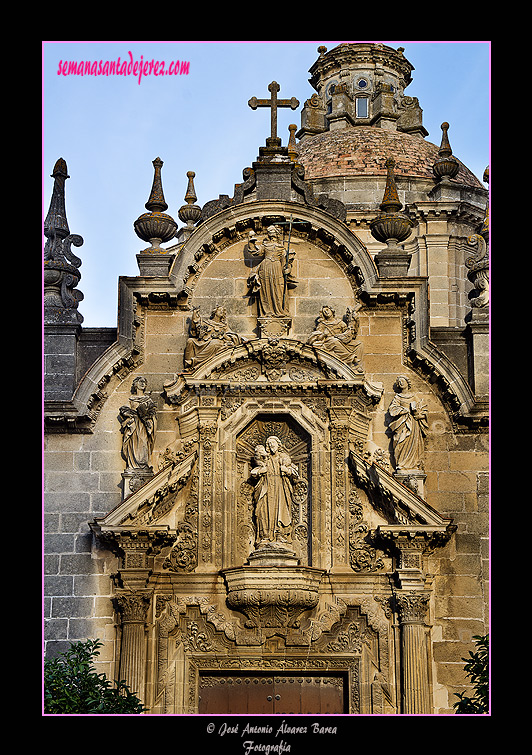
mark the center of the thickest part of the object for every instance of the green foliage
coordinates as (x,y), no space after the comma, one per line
(477,668)
(72,686)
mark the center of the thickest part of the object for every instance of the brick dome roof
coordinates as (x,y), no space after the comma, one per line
(363,150)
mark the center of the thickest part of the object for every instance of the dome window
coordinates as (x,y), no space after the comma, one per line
(361,104)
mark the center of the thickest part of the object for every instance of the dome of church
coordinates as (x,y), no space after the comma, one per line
(363,151)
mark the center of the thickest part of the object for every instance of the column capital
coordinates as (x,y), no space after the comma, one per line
(412,606)
(133,606)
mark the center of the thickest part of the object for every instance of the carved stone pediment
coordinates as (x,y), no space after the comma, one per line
(413,527)
(401,505)
(273,360)
(149,507)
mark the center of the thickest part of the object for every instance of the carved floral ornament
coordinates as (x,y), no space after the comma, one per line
(335,626)
(339,634)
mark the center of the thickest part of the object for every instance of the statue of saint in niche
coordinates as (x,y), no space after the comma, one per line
(338,336)
(409,426)
(272,279)
(138,425)
(275,475)
(208,337)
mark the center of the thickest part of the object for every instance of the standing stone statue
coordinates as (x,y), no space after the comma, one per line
(409,426)
(138,425)
(275,475)
(273,276)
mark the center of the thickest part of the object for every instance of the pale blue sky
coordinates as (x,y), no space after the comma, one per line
(110,129)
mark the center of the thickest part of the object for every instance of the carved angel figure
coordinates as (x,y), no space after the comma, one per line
(208,337)
(272,278)
(138,425)
(275,475)
(338,336)
(409,426)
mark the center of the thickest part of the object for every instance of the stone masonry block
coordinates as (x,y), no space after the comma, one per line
(69,607)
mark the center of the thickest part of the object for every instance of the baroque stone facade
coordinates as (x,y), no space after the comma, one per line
(276,474)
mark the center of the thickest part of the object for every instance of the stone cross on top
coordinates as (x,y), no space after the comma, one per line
(273,103)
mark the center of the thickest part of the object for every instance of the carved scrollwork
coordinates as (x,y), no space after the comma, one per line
(363,557)
(272,608)
(478,273)
(351,639)
(184,554)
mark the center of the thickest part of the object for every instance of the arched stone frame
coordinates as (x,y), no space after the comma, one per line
(315,433)
(233,224)
(193,637)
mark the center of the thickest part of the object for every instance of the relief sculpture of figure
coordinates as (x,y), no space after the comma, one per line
(272,279)
(275,475)
(208,337)
(338,336)
(409,426)
(138,425)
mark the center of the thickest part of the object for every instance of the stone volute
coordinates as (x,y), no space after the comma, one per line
(61,266)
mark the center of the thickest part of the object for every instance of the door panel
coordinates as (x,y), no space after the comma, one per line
(235,694)
(308,694)
(282,693)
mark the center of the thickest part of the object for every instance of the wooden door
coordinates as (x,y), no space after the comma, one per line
(308,694)
(281,693)
(235,694)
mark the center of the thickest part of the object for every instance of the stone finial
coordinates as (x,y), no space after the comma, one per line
(292,147)
(391,226)
(485,228)
(155,226)
(156,202)
(61,273)
(445,166)
(56,224)
(390,223)
(190,212)
(390,201)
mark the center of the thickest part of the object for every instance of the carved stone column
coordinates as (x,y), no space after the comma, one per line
(136,550)
(339,428)
(133,608)
(415,692)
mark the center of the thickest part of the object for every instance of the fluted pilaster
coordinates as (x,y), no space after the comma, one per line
(133,608)
(414,658)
